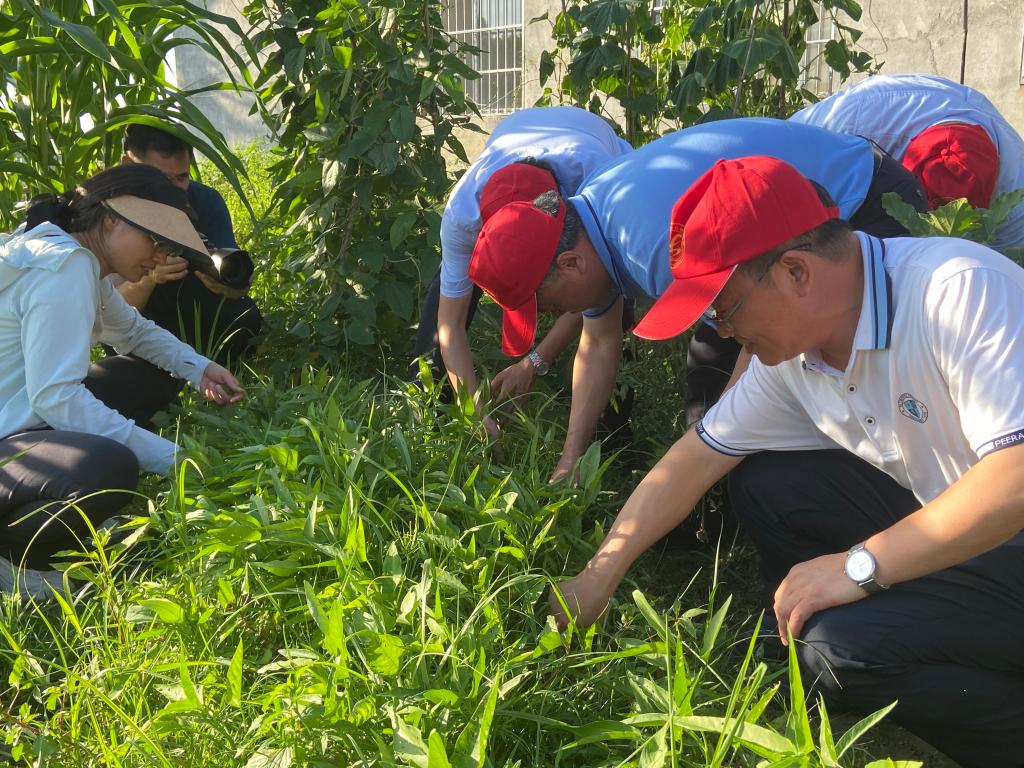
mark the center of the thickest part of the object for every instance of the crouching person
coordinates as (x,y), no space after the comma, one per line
(880,428)
(68,459)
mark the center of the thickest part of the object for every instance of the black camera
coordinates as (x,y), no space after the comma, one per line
(231,266)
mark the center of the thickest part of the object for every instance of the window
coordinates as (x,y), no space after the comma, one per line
(816,75)
(496,28)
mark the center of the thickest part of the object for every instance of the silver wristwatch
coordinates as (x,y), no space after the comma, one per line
(860,567)
(540,365)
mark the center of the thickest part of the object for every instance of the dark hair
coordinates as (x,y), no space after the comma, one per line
(827,240)
(140,139)
(549,203)
(81,209)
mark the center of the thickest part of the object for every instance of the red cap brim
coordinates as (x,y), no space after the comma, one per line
(518,328)
(681,305)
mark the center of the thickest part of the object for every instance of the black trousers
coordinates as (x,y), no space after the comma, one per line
(220,328)
(947,646)
(710,358)
(44,472)
(133,387)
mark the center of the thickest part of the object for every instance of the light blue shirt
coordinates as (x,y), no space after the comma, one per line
(53,308)
(893,109)
(572,141)
(626,205)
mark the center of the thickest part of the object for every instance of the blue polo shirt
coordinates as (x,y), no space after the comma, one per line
(626,204)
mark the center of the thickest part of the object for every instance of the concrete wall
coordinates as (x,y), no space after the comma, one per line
(227,110)
(902,35)
(927,36)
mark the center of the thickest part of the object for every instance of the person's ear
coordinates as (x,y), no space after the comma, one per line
(796,270)
(571,261)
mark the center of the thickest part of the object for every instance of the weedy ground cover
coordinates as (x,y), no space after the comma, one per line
(341,575)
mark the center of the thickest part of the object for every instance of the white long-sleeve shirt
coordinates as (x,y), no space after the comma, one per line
(53,309)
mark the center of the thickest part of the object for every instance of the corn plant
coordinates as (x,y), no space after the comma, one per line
(73,73)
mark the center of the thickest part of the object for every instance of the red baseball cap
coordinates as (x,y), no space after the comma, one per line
(514,183)
(735,212)
(510,259)
(954,160)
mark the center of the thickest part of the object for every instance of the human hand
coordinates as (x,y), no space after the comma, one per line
(219,386)
(813,586)
(215,286)
(170,269)
(566,465)
(585,597)
(514,383)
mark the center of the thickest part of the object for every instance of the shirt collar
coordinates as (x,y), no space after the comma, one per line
(588,218)
(874,327)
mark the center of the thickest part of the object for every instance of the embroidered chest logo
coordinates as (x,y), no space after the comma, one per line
(912,408)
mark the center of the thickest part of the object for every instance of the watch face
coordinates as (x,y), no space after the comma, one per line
(860,566)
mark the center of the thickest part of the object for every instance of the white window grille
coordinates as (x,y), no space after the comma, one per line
(496,28)
(816,76)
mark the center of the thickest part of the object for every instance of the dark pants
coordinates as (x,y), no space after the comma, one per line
(56,470)
(133,387)
(220,328)
(947,646)
(710,359)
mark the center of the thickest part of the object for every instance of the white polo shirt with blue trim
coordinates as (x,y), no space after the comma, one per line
(571,140)
(625,207)
(892,109)
(935,380)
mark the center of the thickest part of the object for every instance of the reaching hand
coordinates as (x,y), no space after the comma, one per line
(565,467)
(813,586)
(219,288)
(170,269)
(585,598)
(219,386)
(514,383)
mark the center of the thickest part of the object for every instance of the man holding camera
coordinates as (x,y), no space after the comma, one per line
(216,319)
(208,310)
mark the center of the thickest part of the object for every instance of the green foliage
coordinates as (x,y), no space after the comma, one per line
(73,73)
(365,96)
(342,576)
(958,218)
(691,60)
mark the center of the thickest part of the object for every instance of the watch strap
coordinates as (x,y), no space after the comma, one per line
(539,363)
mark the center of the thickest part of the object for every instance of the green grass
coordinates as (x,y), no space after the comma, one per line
(342,575)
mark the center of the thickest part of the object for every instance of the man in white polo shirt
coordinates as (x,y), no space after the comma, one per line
(882,421)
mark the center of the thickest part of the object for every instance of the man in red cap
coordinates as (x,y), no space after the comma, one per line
(531,151)
(948,135)
(880,427)
(608,245)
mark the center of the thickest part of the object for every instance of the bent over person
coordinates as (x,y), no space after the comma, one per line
(608,243)
(69,454)
(948,135)
(530,151)
(881,475)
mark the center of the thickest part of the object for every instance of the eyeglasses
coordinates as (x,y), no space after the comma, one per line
(167,248)
(717,321)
